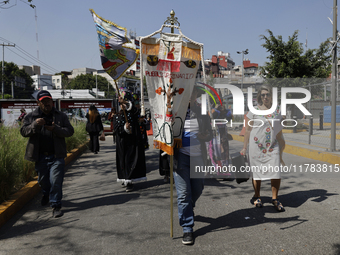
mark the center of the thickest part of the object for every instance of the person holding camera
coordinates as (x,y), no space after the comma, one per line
(47,128)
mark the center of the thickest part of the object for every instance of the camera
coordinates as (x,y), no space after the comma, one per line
(48,122)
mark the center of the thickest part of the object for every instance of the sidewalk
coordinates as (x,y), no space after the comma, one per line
(101,218)
(18,200)
(298,144)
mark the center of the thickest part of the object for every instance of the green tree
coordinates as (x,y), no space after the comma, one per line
(288,59)
(88,81)
(290,66)
(11,71)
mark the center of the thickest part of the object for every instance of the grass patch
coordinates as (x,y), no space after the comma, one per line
(15,171)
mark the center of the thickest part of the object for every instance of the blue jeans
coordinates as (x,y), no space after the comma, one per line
(50,177)
(188,191)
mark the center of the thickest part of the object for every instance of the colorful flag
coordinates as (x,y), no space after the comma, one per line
(117,53)
(169,66)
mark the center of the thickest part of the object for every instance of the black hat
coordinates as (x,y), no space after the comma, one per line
(43,94)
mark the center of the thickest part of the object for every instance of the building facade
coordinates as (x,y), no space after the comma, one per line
(57,81)
(220,65)
(42,82)
(250,69)
(31,70)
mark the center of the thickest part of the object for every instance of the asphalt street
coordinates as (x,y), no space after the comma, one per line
(101,218)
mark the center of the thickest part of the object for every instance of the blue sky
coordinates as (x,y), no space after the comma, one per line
(67,37)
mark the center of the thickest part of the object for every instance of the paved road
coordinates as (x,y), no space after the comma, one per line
(101,218)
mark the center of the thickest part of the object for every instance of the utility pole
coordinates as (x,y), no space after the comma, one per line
(3,65)
(334,77)
(244,52)
(12,88)
(96,87)
(36,30)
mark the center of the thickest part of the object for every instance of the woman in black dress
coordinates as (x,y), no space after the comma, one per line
(94,127)
(130,151)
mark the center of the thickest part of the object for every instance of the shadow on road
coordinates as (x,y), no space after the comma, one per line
(256,216)
(28,227)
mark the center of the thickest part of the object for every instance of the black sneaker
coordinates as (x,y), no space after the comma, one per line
(45,199)
(57,212)
(188,238)
(129,187)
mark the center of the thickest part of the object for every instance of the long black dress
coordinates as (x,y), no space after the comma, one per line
(94,129)
(130,153)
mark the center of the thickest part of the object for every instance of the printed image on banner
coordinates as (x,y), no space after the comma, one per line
(170,66)
(117,53)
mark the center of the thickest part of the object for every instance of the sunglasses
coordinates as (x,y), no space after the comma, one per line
(265,95)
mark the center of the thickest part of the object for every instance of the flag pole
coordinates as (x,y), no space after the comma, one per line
(172,20)
(118,99)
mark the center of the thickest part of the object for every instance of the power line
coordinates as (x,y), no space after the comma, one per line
(30,56)
(22,51)
(6,2)
(3,3)
(31,5)
(43,68)
(39,61)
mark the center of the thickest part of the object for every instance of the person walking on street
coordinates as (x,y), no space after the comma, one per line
(130,151)
(94,127)
(47,128)
(197,131)
(266,145)
(22,115)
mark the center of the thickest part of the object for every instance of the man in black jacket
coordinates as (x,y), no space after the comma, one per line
(47,128)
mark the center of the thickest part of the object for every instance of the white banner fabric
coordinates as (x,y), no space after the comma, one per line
(170,66)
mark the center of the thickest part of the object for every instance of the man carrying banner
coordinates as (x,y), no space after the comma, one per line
(197,131)
(117,54)
(169,65)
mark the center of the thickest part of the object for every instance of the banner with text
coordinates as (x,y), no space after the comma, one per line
(170,66)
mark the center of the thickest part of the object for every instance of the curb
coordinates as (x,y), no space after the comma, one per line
(292,131)
(303,152)
(17,201)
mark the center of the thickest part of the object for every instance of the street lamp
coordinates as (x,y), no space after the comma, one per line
(244,52)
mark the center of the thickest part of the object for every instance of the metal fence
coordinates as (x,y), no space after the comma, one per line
(311,130)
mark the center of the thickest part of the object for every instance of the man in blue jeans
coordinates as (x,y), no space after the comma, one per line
(47,128)
(197,131)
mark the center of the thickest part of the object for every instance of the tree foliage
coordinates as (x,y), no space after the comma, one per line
(288,59)
(88,81)
(11,70)
(290,66)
